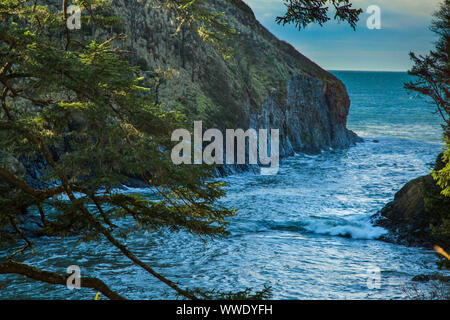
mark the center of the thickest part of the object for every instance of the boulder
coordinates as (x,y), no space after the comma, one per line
(415,209)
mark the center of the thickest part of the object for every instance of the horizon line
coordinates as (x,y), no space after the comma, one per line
(351,70)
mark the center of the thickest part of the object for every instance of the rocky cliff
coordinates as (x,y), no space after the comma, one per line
(265,83)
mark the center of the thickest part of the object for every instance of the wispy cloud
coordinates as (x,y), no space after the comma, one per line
(409,11)
(405,27)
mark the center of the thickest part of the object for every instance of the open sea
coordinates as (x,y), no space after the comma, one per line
(305,232)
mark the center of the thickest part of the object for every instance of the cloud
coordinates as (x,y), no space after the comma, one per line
(400,13)
(405,27)
(405,7)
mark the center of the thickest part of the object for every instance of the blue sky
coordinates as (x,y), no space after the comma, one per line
(404,28)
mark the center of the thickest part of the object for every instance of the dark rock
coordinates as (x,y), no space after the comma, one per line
(11,164)
(136,183)
(35,166)
(14,166)
(407,217)
(431,277)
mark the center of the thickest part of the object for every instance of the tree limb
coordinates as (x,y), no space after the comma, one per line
(13,267)
(21,184)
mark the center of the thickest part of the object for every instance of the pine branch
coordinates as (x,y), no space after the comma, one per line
(12,267)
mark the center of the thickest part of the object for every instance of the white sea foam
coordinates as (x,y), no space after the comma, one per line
(355,228)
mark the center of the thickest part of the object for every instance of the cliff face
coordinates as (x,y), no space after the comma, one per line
(265,83)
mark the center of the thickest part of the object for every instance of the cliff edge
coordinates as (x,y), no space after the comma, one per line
(265,83)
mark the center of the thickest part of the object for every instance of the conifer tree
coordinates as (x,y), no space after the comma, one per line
(80,107)
(432,79)
(76,106)
(301,13)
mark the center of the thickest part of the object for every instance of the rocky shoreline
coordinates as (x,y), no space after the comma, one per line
(417,209)
(405,217)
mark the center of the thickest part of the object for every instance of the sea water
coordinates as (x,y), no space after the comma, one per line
(304,232)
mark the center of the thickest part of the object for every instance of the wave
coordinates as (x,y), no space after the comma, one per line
(353,227)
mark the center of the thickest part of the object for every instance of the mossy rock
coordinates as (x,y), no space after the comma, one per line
(419,215)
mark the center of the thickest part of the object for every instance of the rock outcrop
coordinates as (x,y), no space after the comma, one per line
(405,217)
(416,209)
(265,83)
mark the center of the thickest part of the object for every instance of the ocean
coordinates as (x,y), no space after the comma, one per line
(304,232)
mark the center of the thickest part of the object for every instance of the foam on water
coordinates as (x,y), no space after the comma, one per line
(355,228)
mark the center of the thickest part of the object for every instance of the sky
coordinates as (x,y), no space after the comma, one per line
(335,46)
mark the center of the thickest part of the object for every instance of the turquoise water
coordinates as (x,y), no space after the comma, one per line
(381,107)
(305,231)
